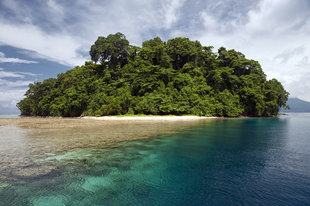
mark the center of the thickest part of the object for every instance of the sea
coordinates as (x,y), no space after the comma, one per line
(238,161)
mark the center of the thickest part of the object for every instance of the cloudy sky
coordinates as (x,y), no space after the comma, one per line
(39,39)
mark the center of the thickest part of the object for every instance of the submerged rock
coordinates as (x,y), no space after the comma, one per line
(4,185)
(33,171)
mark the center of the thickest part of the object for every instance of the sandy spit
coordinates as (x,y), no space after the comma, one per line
(91,121)
(25,140)
(60,134)
(148,118)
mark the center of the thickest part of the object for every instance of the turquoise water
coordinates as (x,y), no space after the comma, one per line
(223,162)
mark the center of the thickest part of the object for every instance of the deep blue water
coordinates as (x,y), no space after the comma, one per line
(223,162)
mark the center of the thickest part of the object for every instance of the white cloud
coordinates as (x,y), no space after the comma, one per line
(22,13)
(285,56)
(9,84)
(57,47)
(170,12)
(275,34)
(9,98)
(13,86)
(4,59)
(5,74)
(209,21)
(283,42)
(56,10)
(33,54)
(65,41)
(278,16)
(11,92)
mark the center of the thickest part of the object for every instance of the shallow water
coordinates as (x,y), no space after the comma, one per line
(220,162)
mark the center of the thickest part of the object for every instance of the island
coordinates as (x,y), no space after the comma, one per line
(296,105)
(176,77)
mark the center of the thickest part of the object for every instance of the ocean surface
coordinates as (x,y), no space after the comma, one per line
(9,115)
(220,162)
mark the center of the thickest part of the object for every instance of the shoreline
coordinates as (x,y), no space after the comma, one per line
(148,118)
(92,121)
(60,122)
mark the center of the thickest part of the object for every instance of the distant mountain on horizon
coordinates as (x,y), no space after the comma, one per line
(297,105)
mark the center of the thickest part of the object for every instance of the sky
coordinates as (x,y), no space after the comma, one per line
(39,39)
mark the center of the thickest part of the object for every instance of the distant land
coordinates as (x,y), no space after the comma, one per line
(297,105)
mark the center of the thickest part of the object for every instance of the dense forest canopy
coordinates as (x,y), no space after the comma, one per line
(177,77)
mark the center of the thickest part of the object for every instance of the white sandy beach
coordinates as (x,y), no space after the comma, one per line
(146,118)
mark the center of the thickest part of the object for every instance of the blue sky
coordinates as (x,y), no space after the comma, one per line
(39,39)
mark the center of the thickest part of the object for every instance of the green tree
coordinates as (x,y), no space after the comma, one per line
(177,77)
(112,49)
(182,50)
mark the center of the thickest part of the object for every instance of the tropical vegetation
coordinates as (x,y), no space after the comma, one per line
(178,77)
